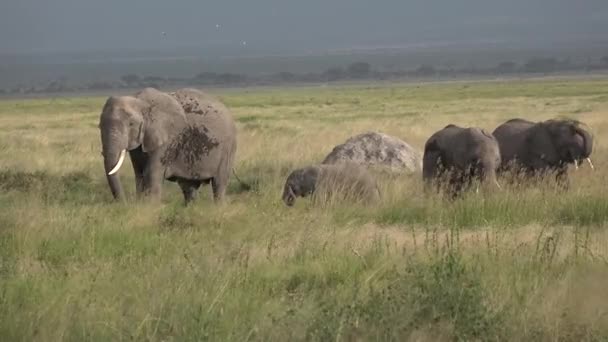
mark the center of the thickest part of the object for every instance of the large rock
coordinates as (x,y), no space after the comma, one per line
(377,149)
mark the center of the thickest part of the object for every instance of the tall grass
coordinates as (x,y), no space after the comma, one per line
(526,263)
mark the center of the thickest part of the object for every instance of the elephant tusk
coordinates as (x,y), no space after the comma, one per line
(576,164)
(590,163)
(497,184)
(121,159)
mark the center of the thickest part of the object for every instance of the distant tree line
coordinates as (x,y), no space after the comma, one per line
(355,71)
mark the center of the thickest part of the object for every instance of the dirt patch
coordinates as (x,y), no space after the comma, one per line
(190,145)
(192,105)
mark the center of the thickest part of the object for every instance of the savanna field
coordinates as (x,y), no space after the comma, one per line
(527,263)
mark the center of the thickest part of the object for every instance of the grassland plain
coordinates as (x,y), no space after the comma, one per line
(528,263)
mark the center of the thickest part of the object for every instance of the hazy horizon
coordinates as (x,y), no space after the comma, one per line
(275,26)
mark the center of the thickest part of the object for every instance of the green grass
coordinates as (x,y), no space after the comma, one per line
(528,263)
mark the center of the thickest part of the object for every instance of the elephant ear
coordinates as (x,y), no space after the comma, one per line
(540,150)
(163,118)
(306,181)
(587,136)
(575,133)
(431,159)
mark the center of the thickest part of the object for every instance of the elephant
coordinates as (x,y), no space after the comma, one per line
(547,146)
(350,180)
(459,156)
(186,137)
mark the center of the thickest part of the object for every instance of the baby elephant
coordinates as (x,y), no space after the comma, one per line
(348,180)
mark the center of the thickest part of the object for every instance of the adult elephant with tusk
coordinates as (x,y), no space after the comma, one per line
(186,137)
(542,147)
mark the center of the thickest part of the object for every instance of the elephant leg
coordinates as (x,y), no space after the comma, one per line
(431,173)
(470,181)
(139,160)
(153,176)
(460,181)
(189,189)
(219,185)
(452,184)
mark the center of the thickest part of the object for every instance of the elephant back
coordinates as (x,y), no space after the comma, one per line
(510,128)
(457,145)
(160,102)
(511,137)
(479,136)
(207,112)
(349,178)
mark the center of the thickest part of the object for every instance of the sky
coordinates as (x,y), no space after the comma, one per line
(288,25)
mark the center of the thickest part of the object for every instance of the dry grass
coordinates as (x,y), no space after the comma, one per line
(523,264)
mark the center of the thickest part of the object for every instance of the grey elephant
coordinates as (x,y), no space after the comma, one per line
(186,137)
(541,147)
(454,157)
(349,180)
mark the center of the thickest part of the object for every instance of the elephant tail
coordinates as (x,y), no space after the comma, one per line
(244,186)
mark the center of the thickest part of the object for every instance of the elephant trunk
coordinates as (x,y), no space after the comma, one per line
(113,155)
(587,147)
(110,161)
(492,181)
(488,175)
(289,196)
